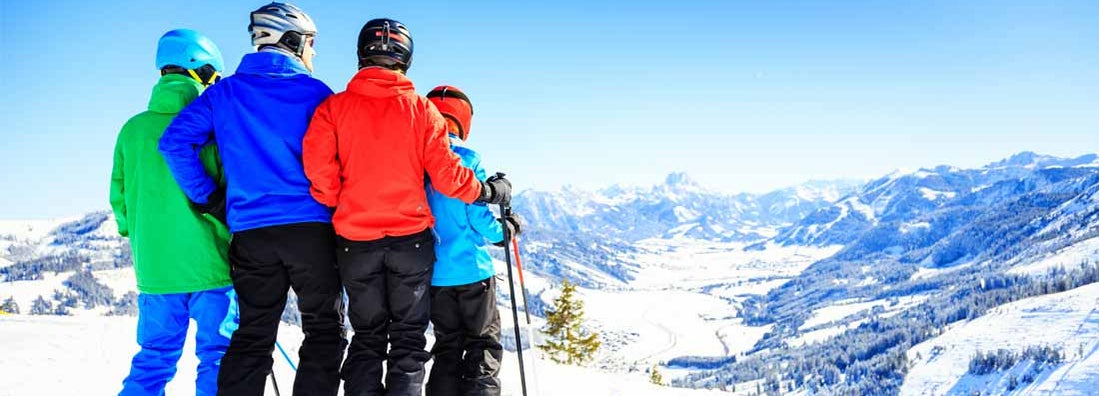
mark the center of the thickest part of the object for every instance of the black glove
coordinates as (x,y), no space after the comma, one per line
(496,190)
(512,227)
(214,206)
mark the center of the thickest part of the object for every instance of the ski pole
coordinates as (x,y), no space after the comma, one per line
(522,284)
(526,310)
(275,382)
(286,356)
(505,210)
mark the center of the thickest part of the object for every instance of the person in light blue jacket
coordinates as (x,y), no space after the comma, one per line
(467,348)
(282,237)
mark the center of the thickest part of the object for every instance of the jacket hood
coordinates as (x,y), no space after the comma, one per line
(271,63)
(379,82)
(172,93)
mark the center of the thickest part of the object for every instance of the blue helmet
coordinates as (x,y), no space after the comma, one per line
(188,49)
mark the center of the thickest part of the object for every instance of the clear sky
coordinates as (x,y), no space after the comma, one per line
(743,95)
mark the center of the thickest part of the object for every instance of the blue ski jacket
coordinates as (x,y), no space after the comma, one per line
(463,229)
(258,117)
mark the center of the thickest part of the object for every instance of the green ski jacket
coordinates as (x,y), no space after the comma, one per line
(175,249)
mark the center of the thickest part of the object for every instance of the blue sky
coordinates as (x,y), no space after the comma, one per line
(743,95)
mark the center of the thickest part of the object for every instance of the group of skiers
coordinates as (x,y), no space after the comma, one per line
(234,190)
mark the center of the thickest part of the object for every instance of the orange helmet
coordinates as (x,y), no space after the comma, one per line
(455,105)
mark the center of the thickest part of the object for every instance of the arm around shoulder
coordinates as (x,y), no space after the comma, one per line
(181,144)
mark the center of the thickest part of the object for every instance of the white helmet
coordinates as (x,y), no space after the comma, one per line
(283,25)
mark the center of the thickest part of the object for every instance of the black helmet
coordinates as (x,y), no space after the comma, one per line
(387,43)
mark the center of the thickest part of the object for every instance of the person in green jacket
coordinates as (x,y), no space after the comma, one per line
(180,255)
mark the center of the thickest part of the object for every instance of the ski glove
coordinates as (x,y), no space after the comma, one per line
(496,190)
(214,206)
(512,227)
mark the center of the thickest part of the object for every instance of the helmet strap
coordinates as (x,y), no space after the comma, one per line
(205,75)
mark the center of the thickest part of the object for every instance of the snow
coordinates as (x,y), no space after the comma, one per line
(683,301)
(120,280)
(864,209)
(19,233)
(927,271)
(1069,320)
(923,174)
(32,229)
(915,226)
(934,195)
(837,312)
(823,334)
(693,263)
(25,292)
(93,355)
(684,215)
(841,310)
(25,239)
(663,328)
(1068,258)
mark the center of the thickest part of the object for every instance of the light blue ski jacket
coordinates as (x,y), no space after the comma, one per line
(463,230)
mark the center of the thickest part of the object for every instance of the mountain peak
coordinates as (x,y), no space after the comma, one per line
(1030,159)
(1023,159)
(679,179)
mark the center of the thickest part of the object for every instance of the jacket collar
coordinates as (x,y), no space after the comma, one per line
(172,93)
(271,63)
(380,83)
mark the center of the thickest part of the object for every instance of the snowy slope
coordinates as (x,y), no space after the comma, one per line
(1069,320)
(92,355)
(684,300)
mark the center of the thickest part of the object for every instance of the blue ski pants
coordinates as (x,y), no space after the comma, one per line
(162,330)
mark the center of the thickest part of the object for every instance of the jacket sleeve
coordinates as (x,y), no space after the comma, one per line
(211,160)
(448,176)
(321,158)
(480,217)
(181,143)
(118,191)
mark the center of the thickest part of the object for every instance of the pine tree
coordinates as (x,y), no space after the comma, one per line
(41,307)
(566,342)
(10,306)
(655,377)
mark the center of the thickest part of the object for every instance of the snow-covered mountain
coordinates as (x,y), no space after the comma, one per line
(921,251)
(679,207)
(905,201)
(591,237)
(847,287)
(71,265)
(1066,322)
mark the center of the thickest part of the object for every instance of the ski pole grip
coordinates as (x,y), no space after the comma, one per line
(505,210)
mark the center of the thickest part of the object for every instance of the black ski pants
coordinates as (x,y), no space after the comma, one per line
(265,263)
(467,349)
(387,283)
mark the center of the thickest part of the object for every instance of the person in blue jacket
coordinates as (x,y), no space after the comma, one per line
(467,348)
(282,237)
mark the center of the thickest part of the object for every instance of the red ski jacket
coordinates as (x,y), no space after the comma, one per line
(368,150)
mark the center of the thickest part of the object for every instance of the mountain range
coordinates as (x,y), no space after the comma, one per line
(915,252)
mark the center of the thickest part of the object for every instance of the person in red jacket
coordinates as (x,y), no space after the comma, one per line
(366,154)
